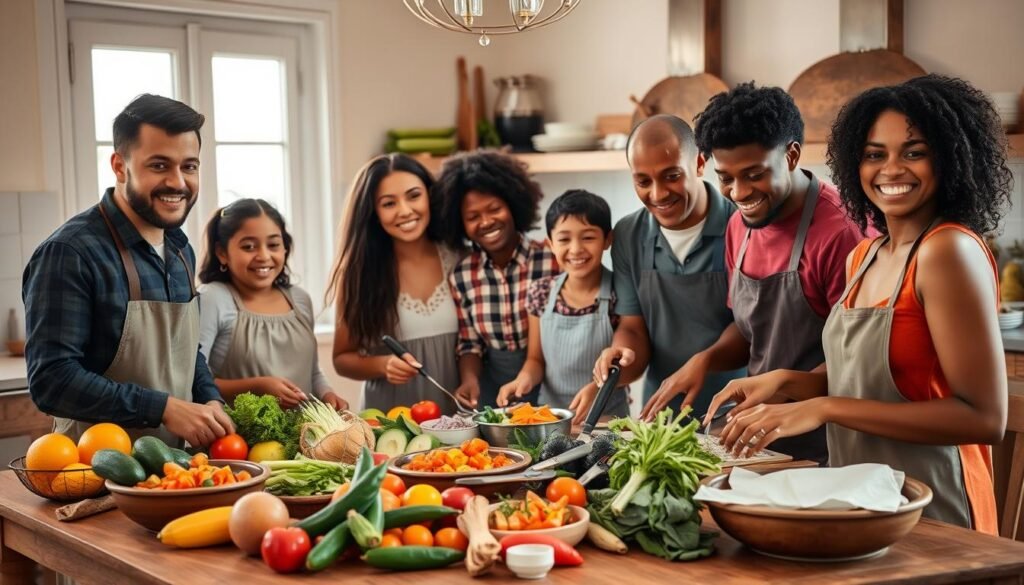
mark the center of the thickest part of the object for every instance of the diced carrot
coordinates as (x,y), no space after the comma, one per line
(198,460)
(243,475)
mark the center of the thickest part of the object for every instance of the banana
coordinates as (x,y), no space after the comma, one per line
(203,528)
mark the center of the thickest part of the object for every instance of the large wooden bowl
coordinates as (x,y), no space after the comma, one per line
(153,509)
(442,481)
(818,535)
(300,507)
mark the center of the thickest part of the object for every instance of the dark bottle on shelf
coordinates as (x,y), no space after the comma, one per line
(518,112)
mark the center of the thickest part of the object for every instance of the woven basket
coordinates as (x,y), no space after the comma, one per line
(343,446)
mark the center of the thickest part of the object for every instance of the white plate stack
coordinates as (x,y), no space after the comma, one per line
(565,136)
(1008,105)
(1010,319)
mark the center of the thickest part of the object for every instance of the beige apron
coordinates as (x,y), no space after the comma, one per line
(283,346)
(856,343)
(158,346)
(783,331)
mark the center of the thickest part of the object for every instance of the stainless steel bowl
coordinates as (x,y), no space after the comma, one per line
(499,435)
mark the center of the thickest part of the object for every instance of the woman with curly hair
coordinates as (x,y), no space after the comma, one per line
(489,200)
(915,372)
(390,277)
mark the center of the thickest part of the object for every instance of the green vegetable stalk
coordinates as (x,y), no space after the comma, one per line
(306,477)
(260,418)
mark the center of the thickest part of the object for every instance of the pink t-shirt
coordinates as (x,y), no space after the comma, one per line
(822,269)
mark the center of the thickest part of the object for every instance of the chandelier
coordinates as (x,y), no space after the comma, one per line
(463,15)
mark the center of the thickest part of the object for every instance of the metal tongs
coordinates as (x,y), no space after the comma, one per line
(544,470)
(399,350)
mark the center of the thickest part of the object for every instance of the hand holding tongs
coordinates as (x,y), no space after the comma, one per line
(399,350)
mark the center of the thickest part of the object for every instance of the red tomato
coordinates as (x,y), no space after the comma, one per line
(284,549)
(229,447)
(379,458)
(456,497)
(567,486)
(425,410)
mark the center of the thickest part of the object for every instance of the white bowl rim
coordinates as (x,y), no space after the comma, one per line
(563,414)
(431,429)
(581,514)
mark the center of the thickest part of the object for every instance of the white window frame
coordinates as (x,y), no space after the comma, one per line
(320,123)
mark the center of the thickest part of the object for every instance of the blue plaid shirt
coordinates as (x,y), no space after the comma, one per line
(76,298)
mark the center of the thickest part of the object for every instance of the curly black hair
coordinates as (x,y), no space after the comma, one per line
(487,172)
(965,137)
(745,114)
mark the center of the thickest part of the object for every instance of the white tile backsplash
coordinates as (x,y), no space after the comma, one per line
(10,256)
(9,217)
(39,211)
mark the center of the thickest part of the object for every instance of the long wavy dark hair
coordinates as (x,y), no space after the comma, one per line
(965,137)
(225,223)
(364,278)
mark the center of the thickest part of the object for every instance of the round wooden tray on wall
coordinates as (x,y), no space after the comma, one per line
(683,96)
(825,87)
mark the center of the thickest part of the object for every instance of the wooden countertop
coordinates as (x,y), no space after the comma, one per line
(110,548)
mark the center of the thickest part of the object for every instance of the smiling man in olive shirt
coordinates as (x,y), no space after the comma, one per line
(669,262)
(110,306)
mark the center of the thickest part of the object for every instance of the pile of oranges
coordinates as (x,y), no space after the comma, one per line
(60,468)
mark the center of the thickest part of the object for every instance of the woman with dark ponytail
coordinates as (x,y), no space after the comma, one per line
(390,277)
(256,327)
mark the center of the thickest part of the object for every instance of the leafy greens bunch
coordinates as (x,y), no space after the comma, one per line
(261,418)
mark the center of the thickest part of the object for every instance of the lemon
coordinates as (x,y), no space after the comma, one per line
(266,451)
(76,480)
(398,411)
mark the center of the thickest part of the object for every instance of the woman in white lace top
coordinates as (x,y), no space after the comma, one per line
(390,277)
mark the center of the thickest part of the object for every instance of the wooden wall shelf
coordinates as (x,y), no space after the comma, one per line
(615,160)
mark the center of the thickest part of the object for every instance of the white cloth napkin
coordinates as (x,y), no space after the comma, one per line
(870,486)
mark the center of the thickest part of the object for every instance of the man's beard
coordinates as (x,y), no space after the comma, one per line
(143,204)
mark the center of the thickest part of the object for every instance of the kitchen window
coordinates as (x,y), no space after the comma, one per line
(244,76)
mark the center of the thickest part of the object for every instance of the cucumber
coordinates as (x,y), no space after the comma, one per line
(359,497)
(152,453)
(402,517)
(424,442)
(182,458)
(117,467)
(392,442)
(329,548)
(412,558)
(410,425)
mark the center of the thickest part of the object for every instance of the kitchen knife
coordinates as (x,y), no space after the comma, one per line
(399,350)
(595,470)
(528,475)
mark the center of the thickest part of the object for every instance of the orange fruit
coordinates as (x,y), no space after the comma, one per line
(76,481)
(421,495)
(567,486)
(51,452)
(451,538)
(390,500)
(389,540)
(393,484)
(417,535)
(103,436)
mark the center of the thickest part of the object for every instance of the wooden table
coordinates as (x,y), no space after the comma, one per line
(109,548)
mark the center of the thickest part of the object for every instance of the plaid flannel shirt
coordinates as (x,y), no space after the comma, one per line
(491,302)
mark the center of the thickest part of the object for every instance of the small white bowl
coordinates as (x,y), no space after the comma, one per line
(571,534)
(530,561)
(451,436)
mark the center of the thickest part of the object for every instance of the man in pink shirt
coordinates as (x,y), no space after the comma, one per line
(785,250)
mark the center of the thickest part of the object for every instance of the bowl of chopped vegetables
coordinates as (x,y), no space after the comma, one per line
(535,422)
(305,485)
(535,515)
(441,467)
(451,430)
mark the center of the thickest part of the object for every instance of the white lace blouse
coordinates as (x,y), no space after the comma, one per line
(436,316)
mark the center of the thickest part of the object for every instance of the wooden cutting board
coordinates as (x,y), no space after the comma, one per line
(825,87)
(683,96)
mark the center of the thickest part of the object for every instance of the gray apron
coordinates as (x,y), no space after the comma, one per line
(437,354)
(857,352)
(282,346)
(783,330)
(571,343)
(685,314)
(501,366)
(158,346)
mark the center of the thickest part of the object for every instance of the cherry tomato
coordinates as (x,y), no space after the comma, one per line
(390,540)
(229,447)
(284,549)
(425,410)
(451,538)
(417,535)
(421,495)
(379,458)
(393,484)
(456,497)
(567,486)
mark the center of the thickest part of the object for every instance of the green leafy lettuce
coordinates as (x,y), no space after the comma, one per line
(261,418)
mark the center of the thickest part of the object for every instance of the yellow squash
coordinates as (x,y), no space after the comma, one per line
(198,529)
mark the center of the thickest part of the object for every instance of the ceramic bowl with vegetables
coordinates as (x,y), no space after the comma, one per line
(306,485)
(535,423)
(441,467)
(534,515)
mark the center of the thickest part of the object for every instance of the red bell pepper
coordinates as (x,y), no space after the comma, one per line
(565,555)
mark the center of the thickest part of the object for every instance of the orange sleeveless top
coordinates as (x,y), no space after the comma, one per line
(918,375)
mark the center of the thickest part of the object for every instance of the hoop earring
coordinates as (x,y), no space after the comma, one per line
(223,267)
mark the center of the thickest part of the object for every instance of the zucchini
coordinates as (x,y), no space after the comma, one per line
(152,453)
(407,515)
(329,548)
(183,459)
(117,467)
(412,558)
(358,497)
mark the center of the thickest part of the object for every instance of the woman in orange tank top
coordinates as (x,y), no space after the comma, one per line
(914,373)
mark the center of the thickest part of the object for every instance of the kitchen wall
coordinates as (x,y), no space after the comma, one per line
(21,138)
